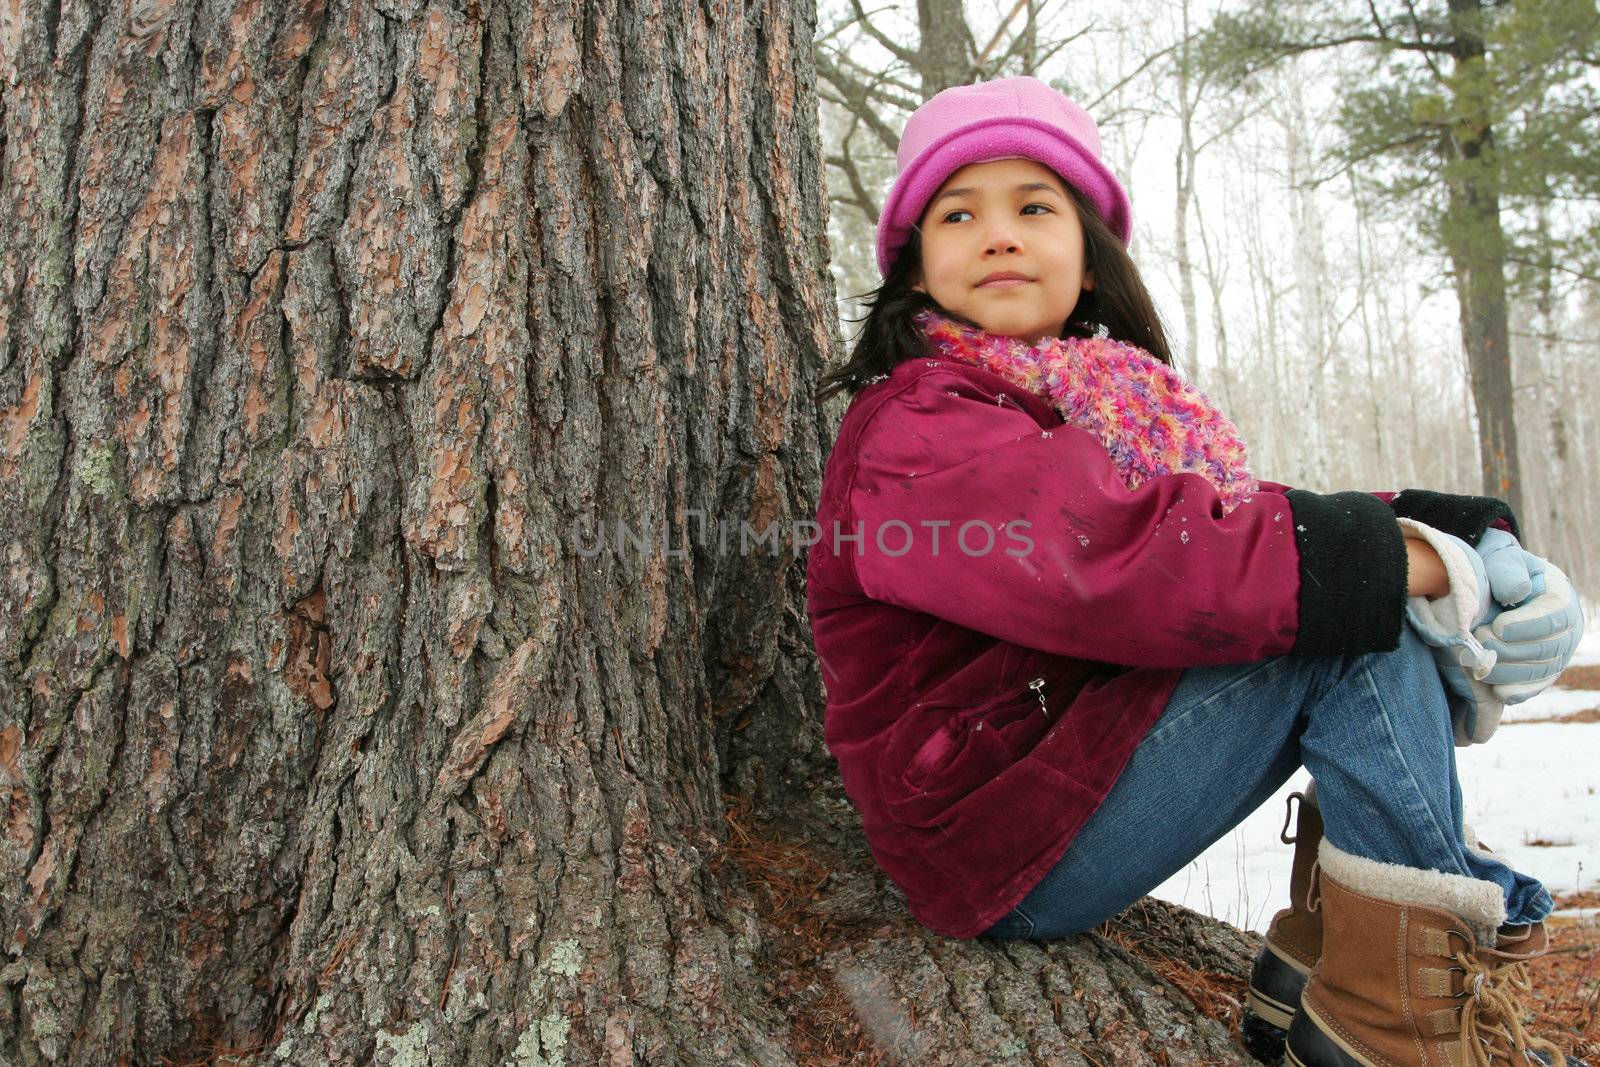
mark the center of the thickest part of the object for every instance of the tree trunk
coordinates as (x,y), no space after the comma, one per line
(1313,334)
(1216,286)
(1477,246)
(947,50)
(1185,161)
(334,339)
(1374,386)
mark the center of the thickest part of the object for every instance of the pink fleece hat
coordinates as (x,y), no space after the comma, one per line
(996,120)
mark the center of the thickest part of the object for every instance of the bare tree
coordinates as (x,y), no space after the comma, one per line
(1447,96)
(1190,89)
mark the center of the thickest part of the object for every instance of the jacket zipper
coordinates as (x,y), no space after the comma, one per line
(1037,685)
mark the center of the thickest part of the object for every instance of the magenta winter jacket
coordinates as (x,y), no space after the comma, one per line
(985,690)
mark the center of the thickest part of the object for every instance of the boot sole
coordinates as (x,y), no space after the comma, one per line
(1269,1011)
(1311,1045)
(1261,1039)
(1271,1000)
(1275,984)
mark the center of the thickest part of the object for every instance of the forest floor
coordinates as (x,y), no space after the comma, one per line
(1566,983)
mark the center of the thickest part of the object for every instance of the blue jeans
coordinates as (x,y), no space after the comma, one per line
(1373,730)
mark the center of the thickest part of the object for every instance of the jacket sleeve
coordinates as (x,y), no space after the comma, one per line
(1463,515)
(1460,514)
(968,511)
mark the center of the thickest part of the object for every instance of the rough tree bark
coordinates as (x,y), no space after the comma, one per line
(323,738)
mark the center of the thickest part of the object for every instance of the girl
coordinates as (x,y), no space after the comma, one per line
(1069,639)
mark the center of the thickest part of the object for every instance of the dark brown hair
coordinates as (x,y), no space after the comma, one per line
(1119,304)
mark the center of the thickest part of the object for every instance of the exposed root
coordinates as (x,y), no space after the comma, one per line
(1215,994)
(786,880)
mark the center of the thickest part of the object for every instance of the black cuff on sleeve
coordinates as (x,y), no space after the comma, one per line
(1352,573)
(1463,516)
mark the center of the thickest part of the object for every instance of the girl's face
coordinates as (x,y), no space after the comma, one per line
(1004,215)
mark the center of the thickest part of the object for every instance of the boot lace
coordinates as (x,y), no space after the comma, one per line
(1491,1018)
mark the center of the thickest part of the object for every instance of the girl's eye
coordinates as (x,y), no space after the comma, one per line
(958,211)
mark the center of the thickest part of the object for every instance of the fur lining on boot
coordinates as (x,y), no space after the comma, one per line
(1480,904)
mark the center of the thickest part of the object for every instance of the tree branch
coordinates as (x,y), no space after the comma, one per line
(1094,105)
(860,197)
(859,98)
(1420,137)
(1548,265)
(909,57)
(1011,50)
(1416,26)
(876,78)
(1000,29)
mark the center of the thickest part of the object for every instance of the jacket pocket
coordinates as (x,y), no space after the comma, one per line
(969,748)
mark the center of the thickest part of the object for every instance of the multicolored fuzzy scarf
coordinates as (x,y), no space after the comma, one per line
(1150,419)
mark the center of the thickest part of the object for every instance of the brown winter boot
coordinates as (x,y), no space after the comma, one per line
(1414,974)
(1293,942)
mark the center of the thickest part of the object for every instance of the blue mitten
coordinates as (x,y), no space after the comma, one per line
(1535,639)
(1446,624)
(1512,569)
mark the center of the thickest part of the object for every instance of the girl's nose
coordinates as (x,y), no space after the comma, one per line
(1000,239)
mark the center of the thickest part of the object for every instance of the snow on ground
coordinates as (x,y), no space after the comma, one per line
(1551,704)
(1588,654)
(1532,793)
